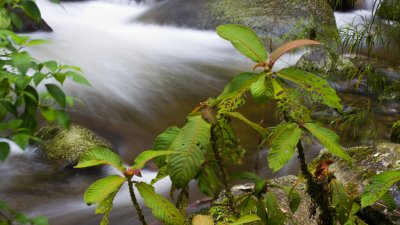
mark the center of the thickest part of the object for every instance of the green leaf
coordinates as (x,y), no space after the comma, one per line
(247,205)
(244,40)
(246,219)
(78,78)
(192,141)
(145,156)
(262,90)
(293,197)
(378,186)
(51,65)
(208,183)
(38,77)
(21,139)
(57,93)
(12,124)
(105,206)
(319,88)
(48,113)
(255,126)
(341,201)
(163,142)
(275,215)
(39,220)
(22,61)
(389,201)
(282,144)
(37,42)
(202,220)
(103,188)
(63,118)
(160,207)
(329,139)
(21,218)
(31,10)
(162,173)
(97,156)
(4,151)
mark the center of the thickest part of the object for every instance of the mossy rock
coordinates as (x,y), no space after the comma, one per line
(222,215)
(389,10)
(277,19)
(367,161)
(66,146)
(395,133)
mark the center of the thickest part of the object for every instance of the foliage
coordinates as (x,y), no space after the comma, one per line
(207,143)
(9,18)
(8,216)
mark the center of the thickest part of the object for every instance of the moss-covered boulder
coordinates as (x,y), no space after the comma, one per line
(367,161)
(395,133)
(64,147)
(288,19)
(389,10)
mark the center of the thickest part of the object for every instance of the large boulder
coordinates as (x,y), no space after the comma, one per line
(65,146)
(367,161)
(290,19)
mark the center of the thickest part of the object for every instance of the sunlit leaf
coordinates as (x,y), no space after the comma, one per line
(103,188)
(57,93)
(202,220)
(282,144)
(244,40)
(97,156)
(378,186)
(329,139)
(145,156)
(192,142)
(246,219)
(160,207)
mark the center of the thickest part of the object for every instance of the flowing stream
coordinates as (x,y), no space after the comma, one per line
(144,77)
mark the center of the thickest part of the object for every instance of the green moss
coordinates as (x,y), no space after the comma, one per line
(66,146)
(395,133)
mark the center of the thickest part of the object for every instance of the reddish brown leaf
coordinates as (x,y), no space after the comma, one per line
(275,55)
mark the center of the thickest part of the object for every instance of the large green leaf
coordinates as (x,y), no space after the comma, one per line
(293,197)
(160,207)
(341,201)
(144,157)
(163,142)
(329,139)
(4,150)
(244,40)
(97,156)
(192,142)
(246,219)
(255,126)
(262,89)
(103,188)
(57,93)
(275,215)
(378,186)
(31,10)
(282,144)
(319,88)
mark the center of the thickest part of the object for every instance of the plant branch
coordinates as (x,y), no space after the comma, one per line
(317,191)
(135,203)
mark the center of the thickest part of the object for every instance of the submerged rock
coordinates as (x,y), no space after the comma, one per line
(288,19)
(66,146)
(28,24)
